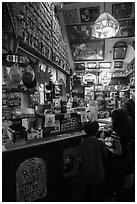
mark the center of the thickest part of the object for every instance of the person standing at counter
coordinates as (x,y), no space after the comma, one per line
(91,154)
(117,144)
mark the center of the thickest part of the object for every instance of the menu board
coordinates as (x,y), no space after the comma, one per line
(31,181)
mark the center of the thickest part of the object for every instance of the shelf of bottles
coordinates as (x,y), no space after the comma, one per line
(37,26)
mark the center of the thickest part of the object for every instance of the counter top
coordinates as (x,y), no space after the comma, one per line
(50,139)
(36,142)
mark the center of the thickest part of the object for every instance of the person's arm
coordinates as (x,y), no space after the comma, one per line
(115,148)
(118,149)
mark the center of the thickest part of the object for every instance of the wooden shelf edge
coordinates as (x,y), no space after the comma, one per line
(23,46)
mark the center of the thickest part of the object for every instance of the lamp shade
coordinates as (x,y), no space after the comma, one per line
(105,26)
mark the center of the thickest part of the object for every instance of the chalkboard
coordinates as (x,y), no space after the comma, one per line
(31,181)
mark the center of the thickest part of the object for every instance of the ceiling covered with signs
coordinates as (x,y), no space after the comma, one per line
(86,52)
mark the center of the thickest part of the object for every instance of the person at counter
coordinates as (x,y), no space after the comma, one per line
(91,154)
(117,144)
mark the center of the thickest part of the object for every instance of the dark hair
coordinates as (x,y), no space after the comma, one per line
(119,118)
(129,105)
(121,123)
(91,128)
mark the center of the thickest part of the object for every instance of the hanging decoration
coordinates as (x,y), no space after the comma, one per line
(29,78)
(43,76)
(105,26)
(12,77)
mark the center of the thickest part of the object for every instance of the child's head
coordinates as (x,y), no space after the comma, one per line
(91,128)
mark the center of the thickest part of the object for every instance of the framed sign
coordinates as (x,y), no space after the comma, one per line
(120,49)
(71,16)
(79,66)
(89,14)
(105,65)
(79,33)
(88,77)
(126,28)
(92,50)
(91,65)
(120,11)
(118,64)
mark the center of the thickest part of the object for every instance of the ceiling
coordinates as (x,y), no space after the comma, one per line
(77,19)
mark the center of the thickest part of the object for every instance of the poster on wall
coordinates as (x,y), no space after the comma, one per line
(71,16)
(92,50)
(31,181)
(79,66)
(118,64)
(89,14)
(105,65)
(79,33)
(126,28)
(123,10)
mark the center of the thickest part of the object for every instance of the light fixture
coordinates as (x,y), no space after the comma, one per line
(105,26)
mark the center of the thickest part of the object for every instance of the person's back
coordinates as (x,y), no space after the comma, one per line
(91,153)
(121,137)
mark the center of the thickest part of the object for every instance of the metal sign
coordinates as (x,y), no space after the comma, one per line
(31,181)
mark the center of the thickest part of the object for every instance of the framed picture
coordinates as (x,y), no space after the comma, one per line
(120,11)
(91,65)
(71,16)
(79,33)
(118,64)
(126,28)
(89,14)
(105,65)
(90,51)
(79,66)
(120,49)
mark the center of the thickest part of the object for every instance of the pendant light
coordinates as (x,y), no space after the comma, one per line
(105,26)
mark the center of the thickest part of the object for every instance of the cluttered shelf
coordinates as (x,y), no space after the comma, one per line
(40,141)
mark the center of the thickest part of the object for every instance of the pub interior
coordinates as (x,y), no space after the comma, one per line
(68,101)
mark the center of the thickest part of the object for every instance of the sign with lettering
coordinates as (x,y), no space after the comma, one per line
(31,181)
(71,123)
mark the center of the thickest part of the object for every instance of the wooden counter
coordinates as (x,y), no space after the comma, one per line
(41,170)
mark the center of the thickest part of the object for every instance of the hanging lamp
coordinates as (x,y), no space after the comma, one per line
(105,26)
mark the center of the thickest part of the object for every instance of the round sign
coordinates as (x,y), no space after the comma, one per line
(89,78)
(105,78)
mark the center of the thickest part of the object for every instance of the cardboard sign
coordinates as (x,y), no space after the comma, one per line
(49,120)
(93,107)
(83,115)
